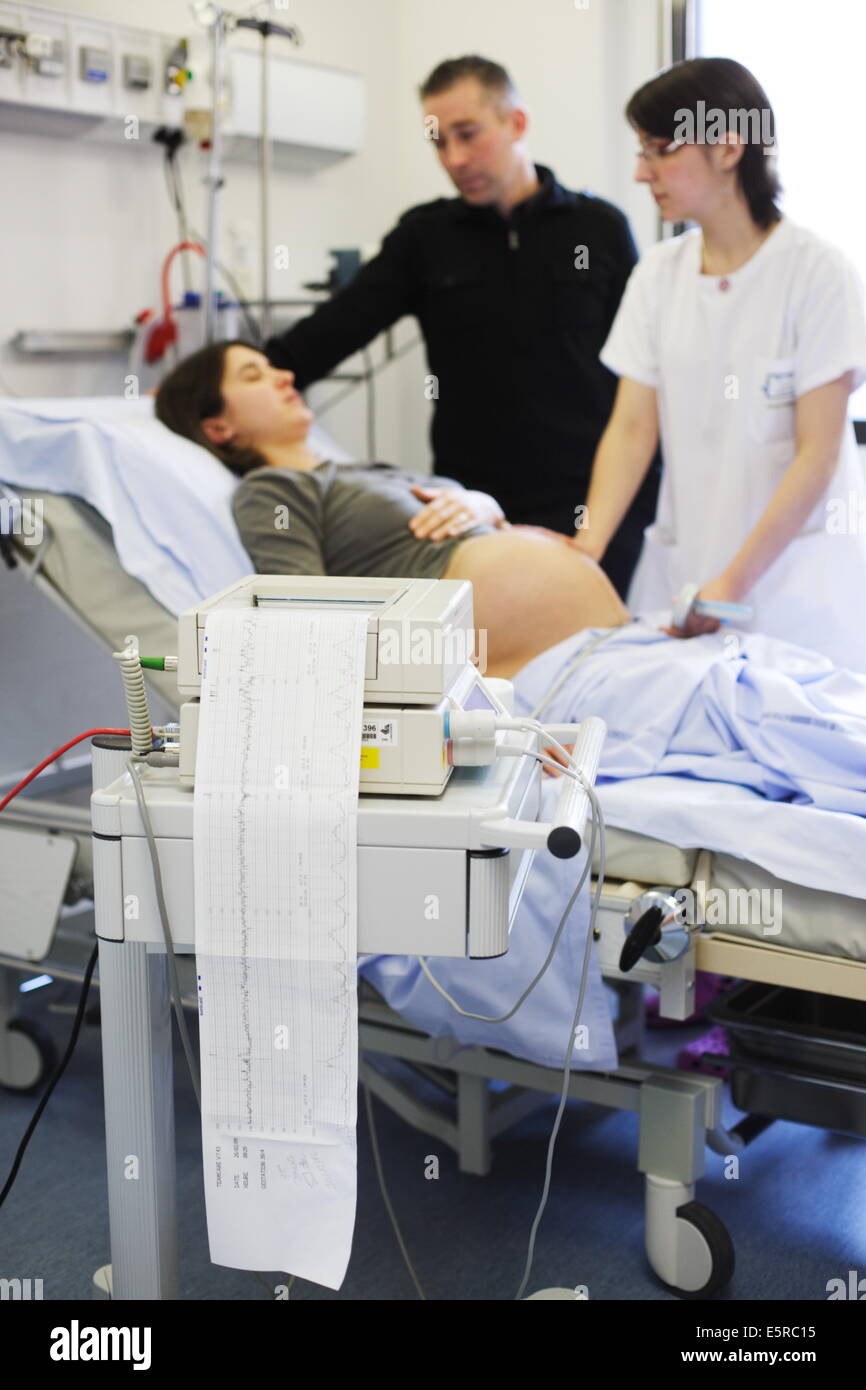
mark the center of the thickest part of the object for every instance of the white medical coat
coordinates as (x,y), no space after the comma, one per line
(728,357)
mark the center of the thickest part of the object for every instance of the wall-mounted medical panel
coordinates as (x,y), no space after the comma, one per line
(77,78)
(72,77)
(150,82)
(39,77)
(91,68)
(9,79)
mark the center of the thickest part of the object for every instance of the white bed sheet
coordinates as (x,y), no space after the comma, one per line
(818,849)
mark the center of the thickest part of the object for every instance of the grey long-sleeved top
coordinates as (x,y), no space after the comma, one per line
(339,519)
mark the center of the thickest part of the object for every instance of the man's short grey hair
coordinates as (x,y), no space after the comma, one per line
(493,78)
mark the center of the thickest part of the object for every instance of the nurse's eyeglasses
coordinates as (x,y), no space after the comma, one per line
(658,149)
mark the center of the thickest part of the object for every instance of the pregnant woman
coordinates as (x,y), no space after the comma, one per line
(298,514)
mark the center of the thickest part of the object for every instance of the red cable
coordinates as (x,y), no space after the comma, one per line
(164,332)
(57,754)
(166,268)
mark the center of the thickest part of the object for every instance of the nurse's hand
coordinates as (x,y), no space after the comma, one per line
(555,756)
(452,510)
(696,625)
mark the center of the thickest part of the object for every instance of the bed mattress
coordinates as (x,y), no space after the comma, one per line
(777,912)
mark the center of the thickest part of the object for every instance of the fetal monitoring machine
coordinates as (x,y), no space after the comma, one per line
(449,793)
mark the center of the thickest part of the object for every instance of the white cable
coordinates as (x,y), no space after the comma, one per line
(567,670)
(598,818)
(473,736)
(383,1188)
(503,1018)
(532,726)
(597,828)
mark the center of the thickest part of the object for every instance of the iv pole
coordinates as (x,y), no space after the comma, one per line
(265,29)
(221,23)
(214,180)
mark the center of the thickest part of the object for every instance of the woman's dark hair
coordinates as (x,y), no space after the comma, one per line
(193,392)
(732,99)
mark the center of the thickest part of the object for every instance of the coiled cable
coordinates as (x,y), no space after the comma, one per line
(134,689)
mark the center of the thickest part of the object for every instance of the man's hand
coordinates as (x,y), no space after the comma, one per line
(452,510)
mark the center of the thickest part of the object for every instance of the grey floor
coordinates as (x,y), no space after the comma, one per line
(797,1212)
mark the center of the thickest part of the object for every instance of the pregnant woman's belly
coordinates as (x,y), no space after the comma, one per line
(530,592)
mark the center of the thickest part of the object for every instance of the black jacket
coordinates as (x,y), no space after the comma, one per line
(513,329)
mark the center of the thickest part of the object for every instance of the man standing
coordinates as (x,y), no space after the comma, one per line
(515,284)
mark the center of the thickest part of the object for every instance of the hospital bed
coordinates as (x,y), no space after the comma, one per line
(821,949)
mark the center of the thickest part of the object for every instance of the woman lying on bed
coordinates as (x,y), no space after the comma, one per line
(725,707)
(299,515)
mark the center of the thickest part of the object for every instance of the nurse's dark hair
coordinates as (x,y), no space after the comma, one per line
(668,103)
(192,392)
(493,78)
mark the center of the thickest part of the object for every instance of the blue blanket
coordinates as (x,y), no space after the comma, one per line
(725,742)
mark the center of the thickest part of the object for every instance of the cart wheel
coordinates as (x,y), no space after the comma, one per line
(711,1250)
(27,1056)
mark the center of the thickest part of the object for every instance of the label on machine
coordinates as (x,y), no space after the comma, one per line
(378,733)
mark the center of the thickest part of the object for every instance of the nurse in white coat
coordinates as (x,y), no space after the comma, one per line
(738,344)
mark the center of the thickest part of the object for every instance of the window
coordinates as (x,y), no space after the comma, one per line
(809,60)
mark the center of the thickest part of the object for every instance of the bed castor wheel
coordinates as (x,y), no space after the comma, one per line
(687,1245)
(712,1253)
(27,1056)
